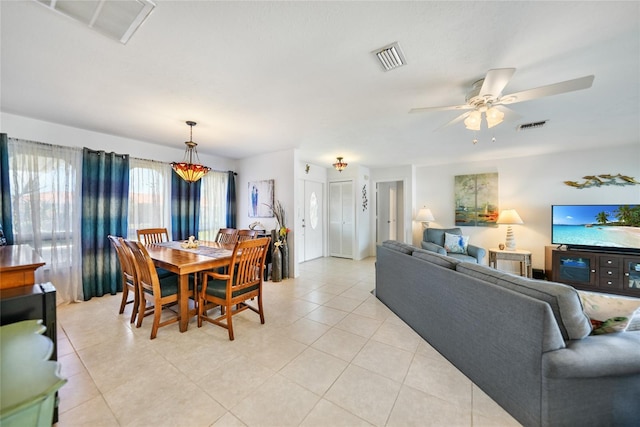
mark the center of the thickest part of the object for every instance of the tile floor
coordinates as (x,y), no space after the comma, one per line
(330,354)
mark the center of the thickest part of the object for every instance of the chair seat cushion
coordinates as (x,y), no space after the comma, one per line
(218,289)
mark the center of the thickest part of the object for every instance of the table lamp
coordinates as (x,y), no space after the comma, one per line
(509,217)
(424,216)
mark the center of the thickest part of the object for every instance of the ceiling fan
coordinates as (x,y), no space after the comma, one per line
(485,96)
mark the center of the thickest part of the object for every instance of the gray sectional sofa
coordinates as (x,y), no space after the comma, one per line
(524,342)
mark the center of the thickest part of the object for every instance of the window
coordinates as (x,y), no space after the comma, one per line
(149,196)
(213,204)
(46,203)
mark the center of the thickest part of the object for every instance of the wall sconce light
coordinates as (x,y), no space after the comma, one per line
(509,216)
(306,168)
(424,216)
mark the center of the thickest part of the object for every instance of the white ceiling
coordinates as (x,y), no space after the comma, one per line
(265,76)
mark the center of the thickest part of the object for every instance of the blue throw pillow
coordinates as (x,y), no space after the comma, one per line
(456,244)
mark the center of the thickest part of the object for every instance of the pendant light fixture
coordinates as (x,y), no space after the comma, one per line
(339,165)
(187,170)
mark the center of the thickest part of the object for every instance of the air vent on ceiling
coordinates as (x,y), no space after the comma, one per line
(117,19)
(390,57)
(533,125)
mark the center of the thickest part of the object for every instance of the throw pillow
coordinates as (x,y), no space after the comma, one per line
(456,244)
(609,313)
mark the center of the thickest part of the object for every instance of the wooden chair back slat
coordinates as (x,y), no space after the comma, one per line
(152,235)
(227,235)
(247,235)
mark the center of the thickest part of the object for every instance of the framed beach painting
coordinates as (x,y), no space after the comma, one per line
(261,199)
(476,199)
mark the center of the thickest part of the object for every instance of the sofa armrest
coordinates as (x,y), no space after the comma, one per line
(477,252)
(596,356)
(433,247)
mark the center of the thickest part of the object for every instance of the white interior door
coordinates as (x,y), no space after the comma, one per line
(312,221)
(389,211)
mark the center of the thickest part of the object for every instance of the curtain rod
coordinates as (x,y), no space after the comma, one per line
(166,163)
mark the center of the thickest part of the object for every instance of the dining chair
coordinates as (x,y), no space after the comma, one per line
(232,291)
(159,293)
(227,235)
(129,277)
(152,235)
(247,234)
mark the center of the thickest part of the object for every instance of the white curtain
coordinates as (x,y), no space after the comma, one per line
(213,204)
(46,197)
(149,195)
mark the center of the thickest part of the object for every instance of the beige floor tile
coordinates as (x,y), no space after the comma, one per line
(359,325)
(339,343)
(314,370)
(401,336)
(439,378)
(365,394)
(318,297)
(177,401)
(234,381)
(305,331)
(373,309)
(415,408)
(343,303)
(386,360)
(327,315)
(228,420)
(93,412)
(326,414)
(70,364)
(79,389)
(278,402)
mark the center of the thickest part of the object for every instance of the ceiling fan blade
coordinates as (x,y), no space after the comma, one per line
(495,81)
(428,109)
(549,90)
(458,119)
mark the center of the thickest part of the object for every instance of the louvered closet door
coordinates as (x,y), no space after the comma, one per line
(341,219)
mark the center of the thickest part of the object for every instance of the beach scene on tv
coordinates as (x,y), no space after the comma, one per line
(616,226)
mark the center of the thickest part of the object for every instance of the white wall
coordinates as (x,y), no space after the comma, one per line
(530,185)
(279,167)
(52,133)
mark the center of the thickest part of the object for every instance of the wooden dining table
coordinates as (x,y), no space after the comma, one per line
(173,257)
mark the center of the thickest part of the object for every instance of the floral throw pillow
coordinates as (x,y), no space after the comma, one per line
(609,313)
(456,244)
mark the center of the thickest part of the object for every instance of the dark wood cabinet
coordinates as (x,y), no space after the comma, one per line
(614,273)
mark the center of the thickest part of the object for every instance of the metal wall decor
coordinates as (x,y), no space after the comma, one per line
(604,179)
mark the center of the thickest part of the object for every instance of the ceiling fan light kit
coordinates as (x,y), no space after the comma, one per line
(485,96)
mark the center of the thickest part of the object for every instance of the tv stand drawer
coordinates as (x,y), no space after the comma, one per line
(608,261)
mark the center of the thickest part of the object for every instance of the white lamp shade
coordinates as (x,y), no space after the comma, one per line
(424,214)
(494,117)
(509,216)
(473,120)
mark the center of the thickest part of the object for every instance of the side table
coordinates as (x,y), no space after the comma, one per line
(522,256)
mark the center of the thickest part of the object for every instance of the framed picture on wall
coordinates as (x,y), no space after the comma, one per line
(476,199)
(260,199)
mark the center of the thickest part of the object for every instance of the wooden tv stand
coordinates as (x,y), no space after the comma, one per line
(610,272)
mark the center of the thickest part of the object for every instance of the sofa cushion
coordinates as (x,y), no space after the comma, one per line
(399,246)
(441,260)
(609,313)
(456,243)
(563,299)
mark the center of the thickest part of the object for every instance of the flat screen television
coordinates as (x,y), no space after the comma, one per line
(596,227)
